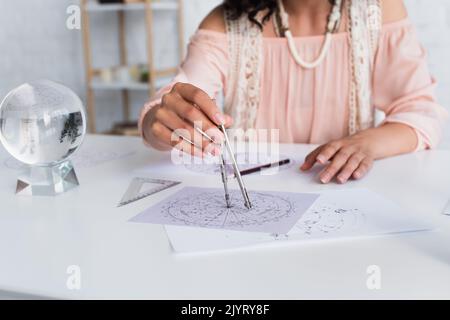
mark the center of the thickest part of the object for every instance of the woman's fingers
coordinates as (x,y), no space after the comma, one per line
(228,121)
(198,97)
(346,160)
(186,130)
(192,114)
(363,168)
(186,147)
(187,111)
(345,163)
(310,159)
(322,154)
(328,152)
(176,140)
(339,160)
(350,167)
(171,120)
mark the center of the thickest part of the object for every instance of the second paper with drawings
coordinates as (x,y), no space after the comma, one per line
(327,218)
(336,214)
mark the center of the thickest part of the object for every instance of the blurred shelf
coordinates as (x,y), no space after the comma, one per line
(94,6)
(125,129)
(136,86)
(157,78)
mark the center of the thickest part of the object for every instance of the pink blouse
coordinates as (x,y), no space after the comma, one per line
(311,106)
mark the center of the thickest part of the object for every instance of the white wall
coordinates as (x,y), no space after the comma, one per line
(35,43)
(432,20)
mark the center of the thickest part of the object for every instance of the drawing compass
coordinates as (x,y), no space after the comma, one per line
(236,170)
(223,171)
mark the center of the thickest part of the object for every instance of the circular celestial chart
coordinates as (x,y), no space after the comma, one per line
(209,210)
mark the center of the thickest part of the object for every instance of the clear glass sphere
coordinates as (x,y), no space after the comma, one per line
(42,123)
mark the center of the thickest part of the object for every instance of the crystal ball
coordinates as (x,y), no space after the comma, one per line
(42,123)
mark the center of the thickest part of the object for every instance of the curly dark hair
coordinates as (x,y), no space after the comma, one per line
(251,8)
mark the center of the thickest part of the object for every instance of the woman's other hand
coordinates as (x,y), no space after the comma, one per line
(352,157)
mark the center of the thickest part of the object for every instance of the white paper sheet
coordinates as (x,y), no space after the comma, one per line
(206,208)
(336,214)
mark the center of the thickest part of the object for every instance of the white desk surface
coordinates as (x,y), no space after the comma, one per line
(40,237)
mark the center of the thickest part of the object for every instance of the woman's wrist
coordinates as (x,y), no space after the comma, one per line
(389,140)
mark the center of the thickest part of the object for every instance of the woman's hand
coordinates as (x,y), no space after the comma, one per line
(349,158)
(353,157)
(178,121)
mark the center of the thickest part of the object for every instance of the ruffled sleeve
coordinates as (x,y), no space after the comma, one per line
(205,66)
(403,87)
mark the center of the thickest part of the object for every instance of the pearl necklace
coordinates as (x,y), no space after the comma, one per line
(334,21)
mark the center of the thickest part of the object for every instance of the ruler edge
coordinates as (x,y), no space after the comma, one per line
(171,183)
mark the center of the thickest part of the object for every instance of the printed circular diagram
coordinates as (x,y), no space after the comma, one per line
(329,218)
(244,160)
(191,211)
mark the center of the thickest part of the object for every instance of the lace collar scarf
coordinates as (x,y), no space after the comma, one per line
(245,51)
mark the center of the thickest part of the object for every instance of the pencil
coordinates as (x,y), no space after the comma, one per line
(265,166)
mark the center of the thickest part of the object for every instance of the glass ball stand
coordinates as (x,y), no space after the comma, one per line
(42,124)
(47,180)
